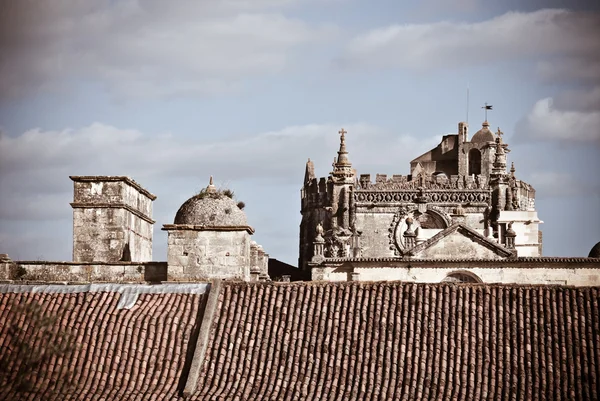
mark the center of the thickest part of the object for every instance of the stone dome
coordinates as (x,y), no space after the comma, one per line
(595,252)
(211,208)
(484,134)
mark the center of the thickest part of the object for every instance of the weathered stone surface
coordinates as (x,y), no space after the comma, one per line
(112,220)
(38,271)
(563,271)
(362,219)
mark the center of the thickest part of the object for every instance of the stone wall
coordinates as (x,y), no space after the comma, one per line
(195,254)
(40,271)
(526,226)
(585,273)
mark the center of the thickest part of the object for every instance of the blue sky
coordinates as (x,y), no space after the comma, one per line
(170,93)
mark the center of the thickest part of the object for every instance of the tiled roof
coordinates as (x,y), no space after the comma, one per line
(309,341)
(128,342)
(389,341)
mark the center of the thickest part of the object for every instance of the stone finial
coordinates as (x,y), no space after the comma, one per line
(512,169)
(211,187)
(499,134)
(318,245)
(459,211)
(342,158)
(499,165)
(319,230)
(409,234)
(510,235)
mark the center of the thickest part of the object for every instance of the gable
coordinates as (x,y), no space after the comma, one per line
(459,242)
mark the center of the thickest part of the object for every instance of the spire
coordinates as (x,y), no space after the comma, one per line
(343,173)
(309,173)
(342,159)
(211,187)
(500,158)
(512,170)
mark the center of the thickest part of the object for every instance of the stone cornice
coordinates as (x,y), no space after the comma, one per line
(82,205)
(500,262)
(192,227)
(105,178)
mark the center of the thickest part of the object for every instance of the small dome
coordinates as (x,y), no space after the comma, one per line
(211,208)
(484,134)
(595,252)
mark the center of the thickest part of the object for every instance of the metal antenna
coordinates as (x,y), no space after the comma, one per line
(467,103)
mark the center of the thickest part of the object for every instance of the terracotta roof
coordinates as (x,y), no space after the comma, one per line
(309,341)
(128,342)
(388,341)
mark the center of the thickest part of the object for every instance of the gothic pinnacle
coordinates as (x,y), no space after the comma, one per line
(342,153)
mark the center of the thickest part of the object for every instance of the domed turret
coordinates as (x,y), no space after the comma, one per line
(595,251)
(484,134)
(211,207)
(210,239)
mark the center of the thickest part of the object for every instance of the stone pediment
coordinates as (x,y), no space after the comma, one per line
(459,242)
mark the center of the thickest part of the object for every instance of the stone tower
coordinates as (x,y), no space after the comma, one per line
(328,210)
(210,238)
(112,220)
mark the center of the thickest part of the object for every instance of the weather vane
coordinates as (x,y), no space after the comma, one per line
(486,107)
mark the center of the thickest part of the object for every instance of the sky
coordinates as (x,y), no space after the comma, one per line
(170,93)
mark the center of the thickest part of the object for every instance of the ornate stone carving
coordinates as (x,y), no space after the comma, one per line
(434,196)
(440,181)
(406,218)
(342,243)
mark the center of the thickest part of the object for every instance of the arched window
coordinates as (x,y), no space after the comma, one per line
(461,277)
(474,162)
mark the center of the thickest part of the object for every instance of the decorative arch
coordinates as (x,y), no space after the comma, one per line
(474,161)
(434,217)
(462,276)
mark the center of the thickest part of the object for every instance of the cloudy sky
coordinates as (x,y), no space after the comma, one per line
(170,93)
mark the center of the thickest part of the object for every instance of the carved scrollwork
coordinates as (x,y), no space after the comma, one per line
(441,196)
(342,243)
(433,218)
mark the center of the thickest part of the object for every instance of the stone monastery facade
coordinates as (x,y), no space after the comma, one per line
(460,215)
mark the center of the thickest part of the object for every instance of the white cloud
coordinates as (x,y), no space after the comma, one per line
(564,37)
(34,170)
(553,184)
(147,48)
(546,122)
(37,163)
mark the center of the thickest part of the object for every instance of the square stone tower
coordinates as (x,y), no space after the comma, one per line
(112,220)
